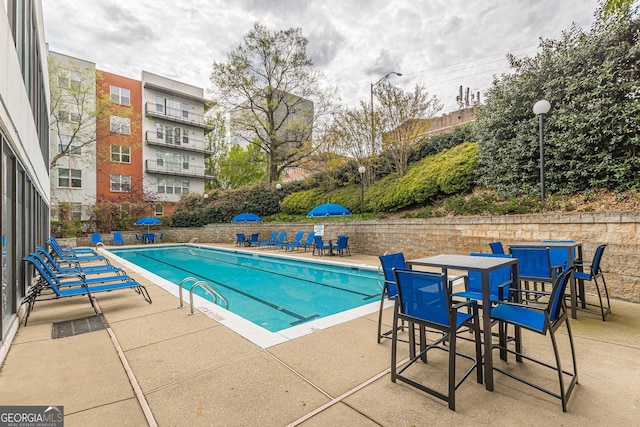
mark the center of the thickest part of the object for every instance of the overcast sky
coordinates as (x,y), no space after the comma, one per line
(441,43)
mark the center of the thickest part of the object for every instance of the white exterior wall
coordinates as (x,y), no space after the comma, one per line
(86,161)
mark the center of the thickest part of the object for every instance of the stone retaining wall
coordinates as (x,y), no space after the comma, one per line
(423,237)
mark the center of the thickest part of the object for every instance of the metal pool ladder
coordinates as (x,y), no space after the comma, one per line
(192,241)
(204,285)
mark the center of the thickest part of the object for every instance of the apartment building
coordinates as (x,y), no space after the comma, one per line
(128,140)
(119,141)
(24,142)
(72,137)
(174,149)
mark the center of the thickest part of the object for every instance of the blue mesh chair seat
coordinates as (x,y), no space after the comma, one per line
(296,241)
(253,240)
(534,265)
(241,239)
(270,242)
(280,241)
(389,290)
(307,243)
(594,274)
(496,248)
(117,238)
(500,282)
(542,320)
(423,299)
(319,245)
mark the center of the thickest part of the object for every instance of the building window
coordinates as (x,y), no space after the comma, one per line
(159,209)
(69,80)
(159,131)
(70,178)
(120,125)
(120,95)
(76,210)
(173,108)
(159,104)
(120,154)
(185,136)
(74,147)
(120,183)
(68,114)
(185,110)
(173,186)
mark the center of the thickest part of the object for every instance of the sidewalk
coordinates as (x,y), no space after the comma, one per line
(190,370)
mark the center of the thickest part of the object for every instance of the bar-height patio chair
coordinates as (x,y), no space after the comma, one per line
(423,299)
(541,320)
(500,282)
(535,266)
(594,274)
(389,288)
(496,248)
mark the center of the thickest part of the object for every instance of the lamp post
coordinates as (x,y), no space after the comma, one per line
(362,170)
(373,126)
(541,108)
(278,188)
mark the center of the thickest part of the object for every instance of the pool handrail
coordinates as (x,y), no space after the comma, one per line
(192,241)
(202,284)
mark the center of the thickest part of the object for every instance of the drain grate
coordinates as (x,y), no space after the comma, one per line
(79,326)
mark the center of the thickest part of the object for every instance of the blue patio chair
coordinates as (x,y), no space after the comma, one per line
(71,255)
(594,275)
(160,237)
(270,242)
(50,289)
(68,249)
(296,241)
(342,245)
(541,320)
(500,282)
(496,248)
(534,265)
(319,245)
(138,238)
(423,299)
(72,279)
(280,240)
(309,242)
(117,238)
(77,268)
(241,239)
(96,239)
(253,240)
(389,290)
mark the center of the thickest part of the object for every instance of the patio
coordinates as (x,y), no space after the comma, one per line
(190,370)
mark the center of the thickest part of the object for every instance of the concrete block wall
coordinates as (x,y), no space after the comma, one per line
(461,235)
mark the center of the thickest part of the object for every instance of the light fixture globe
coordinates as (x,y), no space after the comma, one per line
(362,170)
(541,107)
(278,186)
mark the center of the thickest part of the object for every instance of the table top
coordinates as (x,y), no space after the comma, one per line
(546,244)
(463,262)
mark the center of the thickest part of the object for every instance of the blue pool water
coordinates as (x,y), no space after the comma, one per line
(273,292)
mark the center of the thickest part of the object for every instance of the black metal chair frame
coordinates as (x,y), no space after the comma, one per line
(595,273)
(449,335)
(550,326)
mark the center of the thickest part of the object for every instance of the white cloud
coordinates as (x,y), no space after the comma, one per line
(444,43)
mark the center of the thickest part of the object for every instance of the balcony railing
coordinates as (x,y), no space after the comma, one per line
(191,171)
(151,109)
(194,145)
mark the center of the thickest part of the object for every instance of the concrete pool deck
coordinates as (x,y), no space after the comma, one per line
(157,365)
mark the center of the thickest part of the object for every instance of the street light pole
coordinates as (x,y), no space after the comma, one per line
(373,126)
(540,109)
(362,170)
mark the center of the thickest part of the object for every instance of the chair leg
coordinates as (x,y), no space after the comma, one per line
(452,370)
(384,293)
(606,291)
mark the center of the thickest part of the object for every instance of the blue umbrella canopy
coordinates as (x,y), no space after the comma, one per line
(246,217)
(148,220)
(328,209)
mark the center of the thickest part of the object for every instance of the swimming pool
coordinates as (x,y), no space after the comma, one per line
(275,293)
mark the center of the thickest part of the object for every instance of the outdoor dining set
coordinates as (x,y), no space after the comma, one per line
(535,286)
(278,240)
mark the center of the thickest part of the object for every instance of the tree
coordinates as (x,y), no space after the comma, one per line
(403,118)
(242,166)
(592,133)
(78,102)
(216,141)
(273,92)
